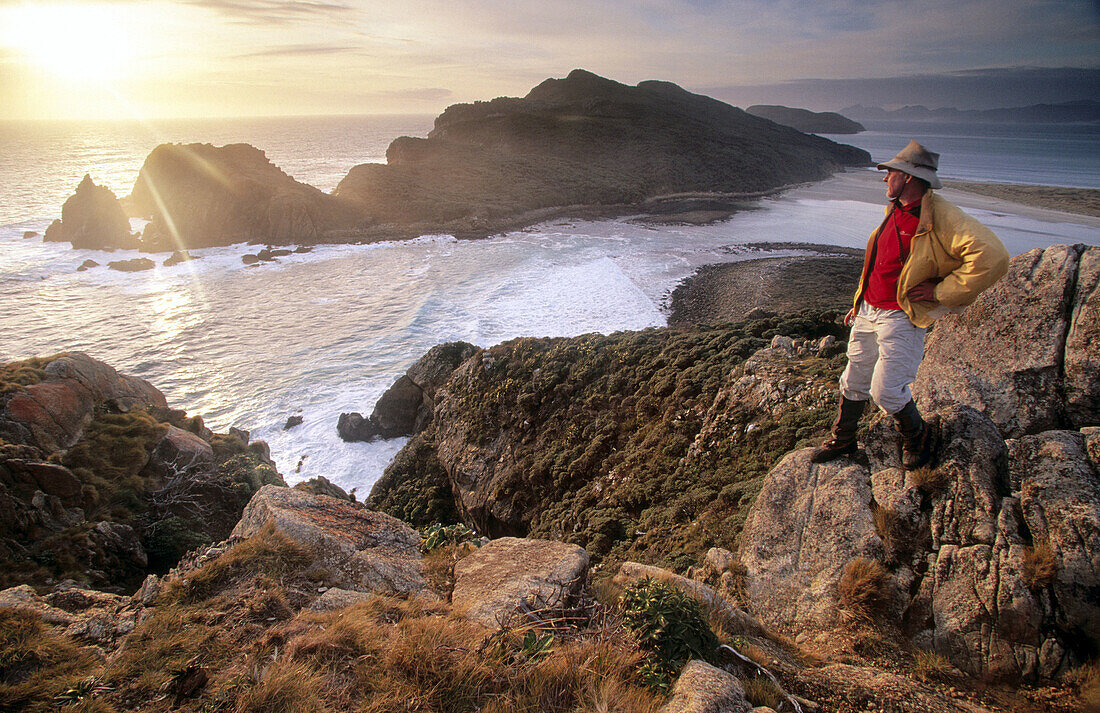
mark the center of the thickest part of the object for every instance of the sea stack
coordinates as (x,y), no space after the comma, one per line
(92,219)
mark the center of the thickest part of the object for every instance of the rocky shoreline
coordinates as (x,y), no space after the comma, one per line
(730,292)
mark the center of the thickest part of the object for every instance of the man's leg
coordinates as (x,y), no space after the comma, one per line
(901,348)
(855,390)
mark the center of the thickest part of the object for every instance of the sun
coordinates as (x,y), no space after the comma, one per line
(71,41)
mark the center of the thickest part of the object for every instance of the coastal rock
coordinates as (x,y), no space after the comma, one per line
(250,259)
(320,485)
(702,688)
(1024,353)
(92,219)
(177,257)
(30,234)
(87,265)
(292,421)
(90,616)
(406,407)
(137,264)
(336,598)
(512,577)
(1003,573)
(225,195)
(77,435)
(811,122)
(53,413)
(366,550)
(581,141)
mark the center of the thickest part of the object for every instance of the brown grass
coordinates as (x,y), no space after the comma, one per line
(36,664)
(268,553)
(930,666)
(930,480)
(286,687)
(1088,687)
(888,526)
(388,655)
(760,691)
(1039,566)
(862,588)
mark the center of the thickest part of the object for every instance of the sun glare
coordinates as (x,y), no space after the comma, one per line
(77,42)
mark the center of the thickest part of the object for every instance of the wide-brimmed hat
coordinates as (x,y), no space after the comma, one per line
(917,161)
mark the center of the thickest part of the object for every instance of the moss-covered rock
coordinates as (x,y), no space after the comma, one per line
(100,482)
(634,445)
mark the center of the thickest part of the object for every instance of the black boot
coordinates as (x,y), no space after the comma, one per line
(916,437)
(843,442)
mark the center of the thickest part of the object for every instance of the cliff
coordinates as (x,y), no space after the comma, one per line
(811,122)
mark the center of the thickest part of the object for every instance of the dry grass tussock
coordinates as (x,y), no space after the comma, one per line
(394,655)
(36,664)
(862,588)
(930,666)
(1039,566)
(930,480)
(1087,681)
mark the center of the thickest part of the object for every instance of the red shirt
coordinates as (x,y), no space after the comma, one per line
(890,252)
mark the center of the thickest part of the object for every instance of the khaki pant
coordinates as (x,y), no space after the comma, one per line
(884,351)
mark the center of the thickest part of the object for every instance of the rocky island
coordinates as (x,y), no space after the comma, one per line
(582,145)
(660,539)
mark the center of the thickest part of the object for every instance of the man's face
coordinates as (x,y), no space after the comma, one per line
(895,183)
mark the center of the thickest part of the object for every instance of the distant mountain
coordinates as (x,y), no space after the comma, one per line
(1083,111)
(810,122)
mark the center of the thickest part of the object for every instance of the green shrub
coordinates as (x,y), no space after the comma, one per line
(439,535)
(670,627)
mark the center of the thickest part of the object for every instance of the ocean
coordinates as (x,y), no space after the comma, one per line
(326,332)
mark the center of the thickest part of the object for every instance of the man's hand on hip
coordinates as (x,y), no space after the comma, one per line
(924,292)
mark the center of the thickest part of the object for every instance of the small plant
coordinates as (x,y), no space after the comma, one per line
(887,526)
(84,689)
(760,691)
(440,535)
(670,627)
(862,588)
(1039,566)
(928,666)
(929,480)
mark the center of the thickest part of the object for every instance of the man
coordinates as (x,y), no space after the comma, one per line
(926,259)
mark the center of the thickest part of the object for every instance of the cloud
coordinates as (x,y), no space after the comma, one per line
(275,12)
(303,50)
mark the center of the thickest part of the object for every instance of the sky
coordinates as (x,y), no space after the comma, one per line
(201,58)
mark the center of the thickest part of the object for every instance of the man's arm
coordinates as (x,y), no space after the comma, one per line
(984,260)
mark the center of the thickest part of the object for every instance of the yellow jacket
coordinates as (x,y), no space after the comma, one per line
(949,247)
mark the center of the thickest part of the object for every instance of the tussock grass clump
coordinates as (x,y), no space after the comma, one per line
(388,655)
(862,588)
(760,691)
(1039,566)
(109,457)
(286,687)
(932,481)
(36,664)
(1087,680)
(888,526)
(930,666)
(268,553)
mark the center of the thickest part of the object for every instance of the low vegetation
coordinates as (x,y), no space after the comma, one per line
(862,588)
(595,435)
